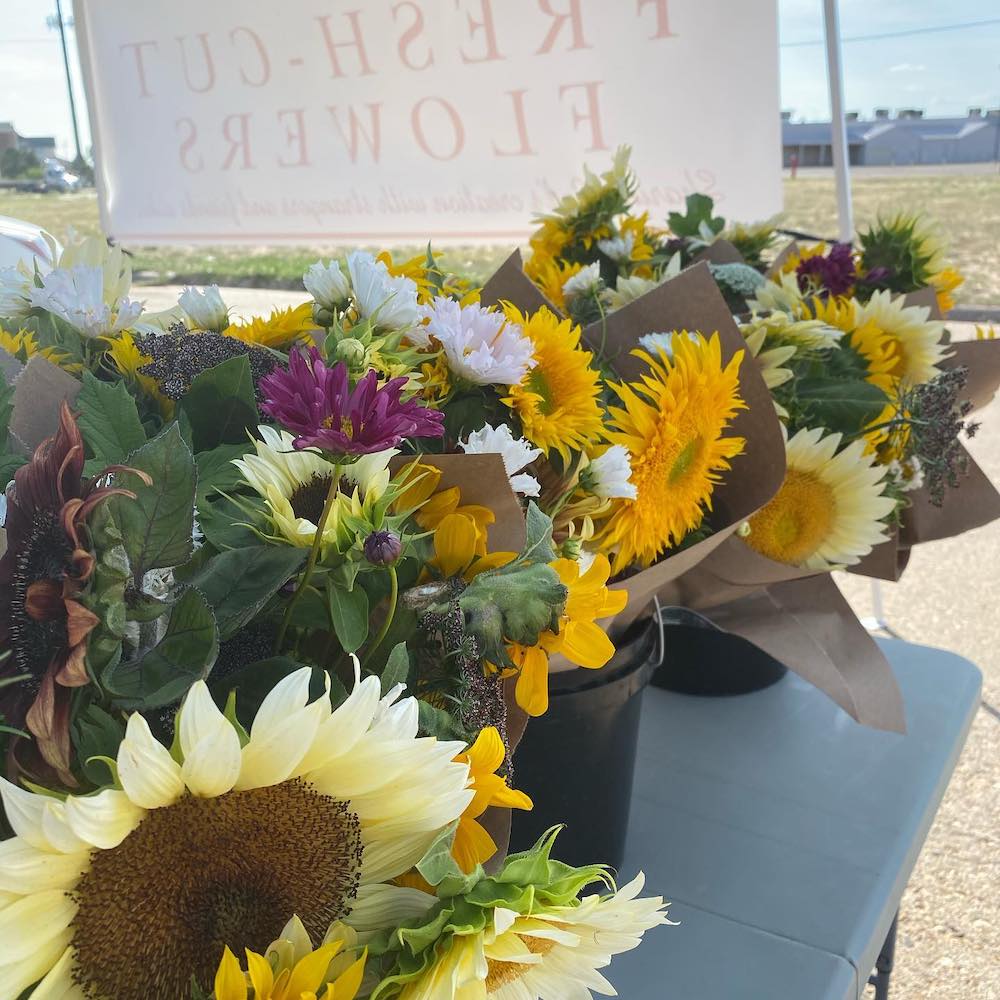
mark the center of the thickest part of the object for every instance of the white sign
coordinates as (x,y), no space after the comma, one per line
(268,121)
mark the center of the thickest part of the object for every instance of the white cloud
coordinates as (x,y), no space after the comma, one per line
(906,67)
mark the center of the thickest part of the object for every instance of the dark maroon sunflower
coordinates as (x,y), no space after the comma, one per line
(42,573)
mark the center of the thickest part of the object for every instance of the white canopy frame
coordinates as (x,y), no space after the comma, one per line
(838,126)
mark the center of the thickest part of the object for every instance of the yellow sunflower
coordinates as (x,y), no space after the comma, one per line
(23,346)
(551,274)
(282,329)
(473,845)
(944,282)
(291,968)
(556,402)
(673,424)
(829,511)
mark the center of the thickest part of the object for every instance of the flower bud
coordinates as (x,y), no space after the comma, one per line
(383,548)
(205,309)
(571,548)
(744,529)
(351,351)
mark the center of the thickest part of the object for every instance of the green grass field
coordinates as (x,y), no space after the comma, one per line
(965,207)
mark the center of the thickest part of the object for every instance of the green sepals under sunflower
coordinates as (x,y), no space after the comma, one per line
(466,904)
(902,246)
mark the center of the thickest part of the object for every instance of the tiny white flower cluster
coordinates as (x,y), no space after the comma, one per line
(906,476)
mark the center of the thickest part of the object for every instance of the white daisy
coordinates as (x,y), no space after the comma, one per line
(655,342)
(327,284)
(586,281)
(389,301)
(618,248)
(77,295)
(130,891)
(830,510)
(515,452)
(480,344)
(907,475)
(609,475)
(205,309)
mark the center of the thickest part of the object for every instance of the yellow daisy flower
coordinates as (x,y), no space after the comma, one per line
(473,845)
(291,969)
(557,401)
(829,511)
(282,329)
(673,424)
(580,639)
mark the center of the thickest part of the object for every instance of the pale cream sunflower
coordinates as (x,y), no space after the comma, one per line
(830,510)
(295,485)
(551,953)
(215,843)
(781,294)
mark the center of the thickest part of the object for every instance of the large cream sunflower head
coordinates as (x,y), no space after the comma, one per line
(914,339)
(830,509)
(217,842)
(673,423)
(556,401)
(295,484)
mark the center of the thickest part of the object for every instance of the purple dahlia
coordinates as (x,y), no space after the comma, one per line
(316,403)
(833,274)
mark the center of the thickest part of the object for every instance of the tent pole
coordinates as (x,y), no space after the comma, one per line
(838,127)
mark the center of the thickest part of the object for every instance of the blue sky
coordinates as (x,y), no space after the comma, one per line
(944,72)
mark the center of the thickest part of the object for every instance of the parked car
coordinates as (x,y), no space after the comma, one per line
(56,177)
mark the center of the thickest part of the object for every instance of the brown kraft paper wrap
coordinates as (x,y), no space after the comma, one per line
(690,301)
(981,358)
(799,617)
(719,252)
(39,388)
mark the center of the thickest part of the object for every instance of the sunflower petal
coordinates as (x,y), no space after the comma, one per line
(209,744)
(150,777)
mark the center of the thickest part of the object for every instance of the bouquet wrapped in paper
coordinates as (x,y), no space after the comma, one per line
(255,635)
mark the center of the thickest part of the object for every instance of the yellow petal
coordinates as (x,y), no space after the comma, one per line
(586,644)
(472,845)
(230,983)
(310,973)
(261,976)
(487,753)
(347,984)
(455,543)
(532,690)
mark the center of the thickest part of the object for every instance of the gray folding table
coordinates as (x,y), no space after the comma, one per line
(784,833)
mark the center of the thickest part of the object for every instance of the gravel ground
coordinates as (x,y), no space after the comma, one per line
(949,931)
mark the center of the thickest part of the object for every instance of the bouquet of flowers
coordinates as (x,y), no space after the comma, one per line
(268,595)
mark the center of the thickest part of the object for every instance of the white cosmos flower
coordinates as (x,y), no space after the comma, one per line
(515,452)
(205,308)
(609,475)
(327,284)
(391,301)
(94,251)
(586,281)
(618,248)
(481,345)
(323,802)
(77,296)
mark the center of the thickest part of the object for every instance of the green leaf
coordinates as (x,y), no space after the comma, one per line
(437,722)
(397,667)
(438,864)
(51,331)
(108,420)
(96,734)
(841,406)
(698,210)
(6,409)
(349,616)
(216,471)
(239,582)
(224,523)
(157,525)
(163,674)
(220,404)
(538,546)
(255,681)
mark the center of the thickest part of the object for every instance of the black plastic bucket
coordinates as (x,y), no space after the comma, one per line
(700,659)
(577,761)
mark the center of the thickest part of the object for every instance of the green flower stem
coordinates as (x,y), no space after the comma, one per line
(387,624)
(314,552)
